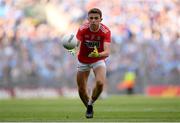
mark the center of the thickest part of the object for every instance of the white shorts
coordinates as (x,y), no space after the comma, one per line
(87,67)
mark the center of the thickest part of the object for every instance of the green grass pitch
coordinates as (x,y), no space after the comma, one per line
(111,109)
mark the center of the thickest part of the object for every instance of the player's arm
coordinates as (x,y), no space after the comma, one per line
(106,47)
(75,50)
(78,46)
(106,51)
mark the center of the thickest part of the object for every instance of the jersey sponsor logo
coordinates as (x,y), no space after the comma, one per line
(91,44)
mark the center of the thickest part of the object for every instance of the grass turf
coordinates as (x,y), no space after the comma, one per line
(112,109)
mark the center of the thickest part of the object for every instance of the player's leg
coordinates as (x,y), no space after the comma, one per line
(82,77)
(104,93)
(99,69)
(100,77)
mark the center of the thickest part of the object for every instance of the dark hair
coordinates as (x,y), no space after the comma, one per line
(95,10)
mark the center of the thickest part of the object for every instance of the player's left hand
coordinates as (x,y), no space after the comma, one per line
(94,53)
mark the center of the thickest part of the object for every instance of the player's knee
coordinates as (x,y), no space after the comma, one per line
(99,84)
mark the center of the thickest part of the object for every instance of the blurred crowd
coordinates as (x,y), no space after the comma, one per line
(145,39)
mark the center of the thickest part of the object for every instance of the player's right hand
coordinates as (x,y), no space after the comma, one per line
(72,51)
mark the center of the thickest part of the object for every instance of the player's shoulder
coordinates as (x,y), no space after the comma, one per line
(84,26)
(104,28)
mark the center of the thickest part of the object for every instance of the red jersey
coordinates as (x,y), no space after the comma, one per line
(90,39)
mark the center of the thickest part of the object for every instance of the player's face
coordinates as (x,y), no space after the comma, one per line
(94,19)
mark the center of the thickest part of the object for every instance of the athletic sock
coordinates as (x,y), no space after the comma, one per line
(90,102)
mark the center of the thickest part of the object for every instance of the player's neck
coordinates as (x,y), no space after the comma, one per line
(94,28)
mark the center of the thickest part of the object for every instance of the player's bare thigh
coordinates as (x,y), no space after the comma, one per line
(98,67)
(82,77)
(100,73)
(82,74)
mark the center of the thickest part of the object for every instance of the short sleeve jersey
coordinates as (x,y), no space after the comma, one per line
(90,39)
